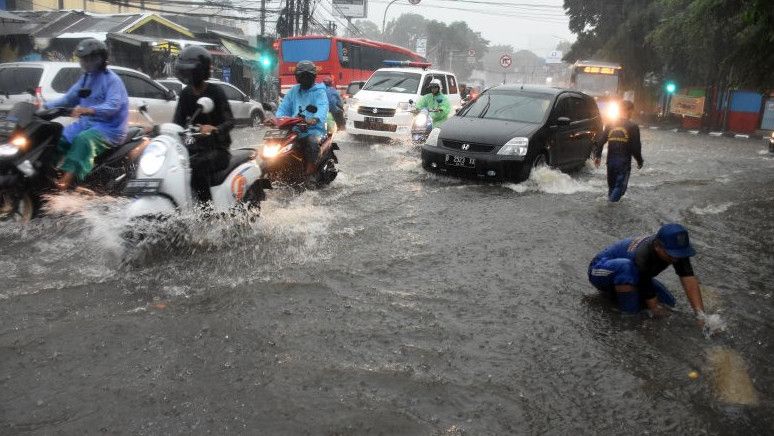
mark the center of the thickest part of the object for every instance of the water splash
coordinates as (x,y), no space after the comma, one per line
(551,181)
(711,209)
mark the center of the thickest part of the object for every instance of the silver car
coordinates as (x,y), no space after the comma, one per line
(20,81)
(246,110)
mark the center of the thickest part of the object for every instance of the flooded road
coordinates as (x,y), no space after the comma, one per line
(398,302)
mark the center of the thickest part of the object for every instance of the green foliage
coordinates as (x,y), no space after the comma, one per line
(694,41)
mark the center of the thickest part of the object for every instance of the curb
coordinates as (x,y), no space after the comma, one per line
(755,136)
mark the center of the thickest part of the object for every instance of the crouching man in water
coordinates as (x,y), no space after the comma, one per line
(623,144)
(625,272)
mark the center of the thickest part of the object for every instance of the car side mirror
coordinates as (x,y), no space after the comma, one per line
(245,98)
(266,107)
(171,95)
(563,121)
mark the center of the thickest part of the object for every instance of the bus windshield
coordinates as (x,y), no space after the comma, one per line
(597,84)
(314,50)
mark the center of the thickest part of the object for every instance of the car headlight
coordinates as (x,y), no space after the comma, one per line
(515,147)
(405,106)
(270,150)
(153,158)
(12,148)
(613,111)
(432,138)
(354,104)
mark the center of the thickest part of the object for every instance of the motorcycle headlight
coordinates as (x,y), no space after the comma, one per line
(270,150)
(515,147)
(432,138)
(12,148)
(153,158)
(421,119)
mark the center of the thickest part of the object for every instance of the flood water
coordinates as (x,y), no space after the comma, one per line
(398,302)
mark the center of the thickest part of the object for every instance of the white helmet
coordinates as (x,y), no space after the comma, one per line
(435,82)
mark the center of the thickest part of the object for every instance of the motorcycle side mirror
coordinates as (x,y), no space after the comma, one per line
(171,95)
(311,109)
(266,107)
(84,93)
(206,104)
(142,108)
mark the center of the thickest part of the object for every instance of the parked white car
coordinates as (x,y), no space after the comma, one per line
(383,106)
(19,81)
(245,110)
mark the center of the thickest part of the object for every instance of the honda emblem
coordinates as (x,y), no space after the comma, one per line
(466,146)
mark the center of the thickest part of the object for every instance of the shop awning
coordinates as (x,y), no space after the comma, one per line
(11,18)
(136,40)
(247,53)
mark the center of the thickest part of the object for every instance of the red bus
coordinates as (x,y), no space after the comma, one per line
(344,60)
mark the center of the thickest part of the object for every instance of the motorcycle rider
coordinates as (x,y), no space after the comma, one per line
(436,103)
(100,104)
(297,99)
(210,153)
(335,105)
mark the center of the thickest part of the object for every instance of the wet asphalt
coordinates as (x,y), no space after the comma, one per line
(394,302)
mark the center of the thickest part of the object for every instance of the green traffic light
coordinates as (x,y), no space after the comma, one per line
(671,87)
(265,61)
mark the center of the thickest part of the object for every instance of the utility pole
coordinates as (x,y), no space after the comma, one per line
(263,17)
(305,18)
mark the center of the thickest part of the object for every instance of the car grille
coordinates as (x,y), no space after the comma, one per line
(380,127)
(472,147)
(380,111)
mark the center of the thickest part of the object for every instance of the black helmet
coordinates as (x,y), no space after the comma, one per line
(306,73)
(306,67)
(193,65)
(92,53)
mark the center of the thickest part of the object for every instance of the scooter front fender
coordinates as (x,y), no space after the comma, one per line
(153,205)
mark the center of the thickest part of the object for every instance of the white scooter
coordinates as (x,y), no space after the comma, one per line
(162,185)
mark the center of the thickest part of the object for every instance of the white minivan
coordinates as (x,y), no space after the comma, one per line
(383,106)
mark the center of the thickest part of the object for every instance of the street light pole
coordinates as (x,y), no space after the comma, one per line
(384,18)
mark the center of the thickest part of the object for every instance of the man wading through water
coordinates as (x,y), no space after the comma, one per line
(623,144)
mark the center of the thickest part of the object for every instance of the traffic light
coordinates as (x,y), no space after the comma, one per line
(671,87)
(266,60)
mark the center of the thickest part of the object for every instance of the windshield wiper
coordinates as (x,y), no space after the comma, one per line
(396,84)
(371,86)
(486,108)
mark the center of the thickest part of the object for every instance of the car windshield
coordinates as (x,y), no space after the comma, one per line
(393,81)
(509,106)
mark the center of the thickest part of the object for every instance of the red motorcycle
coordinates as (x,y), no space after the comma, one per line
(282,158)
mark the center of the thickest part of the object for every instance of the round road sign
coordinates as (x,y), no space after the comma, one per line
(505,61)
(414,2)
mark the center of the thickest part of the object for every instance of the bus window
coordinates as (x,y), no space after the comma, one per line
(314,50)
(344,53)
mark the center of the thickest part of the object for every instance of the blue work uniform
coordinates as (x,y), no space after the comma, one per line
(634,262)
(91,135)
(295,103)
(623,144)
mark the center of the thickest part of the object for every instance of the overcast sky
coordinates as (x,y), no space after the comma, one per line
(501,22)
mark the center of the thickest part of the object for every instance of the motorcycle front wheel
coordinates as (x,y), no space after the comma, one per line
(17,207)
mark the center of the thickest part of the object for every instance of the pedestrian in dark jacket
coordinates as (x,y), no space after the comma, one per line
(623,144)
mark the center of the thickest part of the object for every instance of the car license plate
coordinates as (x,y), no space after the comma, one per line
(142,187)
(373,120)
(460,161)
